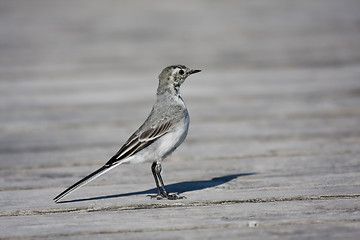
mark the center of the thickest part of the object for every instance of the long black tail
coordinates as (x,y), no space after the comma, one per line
(84,181)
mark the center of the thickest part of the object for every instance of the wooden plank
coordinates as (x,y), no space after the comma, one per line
(273,148)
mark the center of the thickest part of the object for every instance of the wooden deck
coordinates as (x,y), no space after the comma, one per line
(273,150)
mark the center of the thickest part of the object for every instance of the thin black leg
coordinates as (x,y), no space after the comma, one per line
(156,170)
(153,166)
(162,185)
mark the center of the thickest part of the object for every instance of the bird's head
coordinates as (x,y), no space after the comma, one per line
(173,76)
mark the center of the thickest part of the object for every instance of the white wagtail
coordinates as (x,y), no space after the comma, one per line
(162,132)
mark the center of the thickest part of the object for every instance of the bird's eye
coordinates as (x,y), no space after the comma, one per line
(181,72)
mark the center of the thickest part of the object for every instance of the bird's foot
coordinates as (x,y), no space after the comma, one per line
(167,196)
(175,196)
(157,196)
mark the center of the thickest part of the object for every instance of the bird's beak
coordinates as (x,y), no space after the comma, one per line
(194,71)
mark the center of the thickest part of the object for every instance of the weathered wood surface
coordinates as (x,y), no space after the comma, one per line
(273,148)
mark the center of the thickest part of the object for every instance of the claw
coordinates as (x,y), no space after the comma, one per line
(175,197)
(169,196)
(157,196)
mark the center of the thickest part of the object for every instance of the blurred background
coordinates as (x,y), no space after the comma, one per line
(132,36)
(280,78)
(275,114)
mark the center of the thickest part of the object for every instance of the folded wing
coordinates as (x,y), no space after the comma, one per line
(140,140)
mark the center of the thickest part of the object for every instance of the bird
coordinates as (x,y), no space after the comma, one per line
(163,131)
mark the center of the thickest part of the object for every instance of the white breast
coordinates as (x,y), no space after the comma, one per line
(164,146)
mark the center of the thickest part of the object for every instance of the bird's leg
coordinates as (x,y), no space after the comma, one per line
(156,170)
(153,166)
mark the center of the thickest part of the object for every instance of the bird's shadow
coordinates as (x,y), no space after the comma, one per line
(179,188)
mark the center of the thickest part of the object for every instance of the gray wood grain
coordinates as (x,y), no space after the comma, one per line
(273,149)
